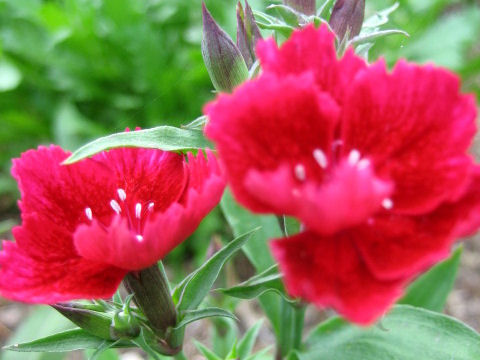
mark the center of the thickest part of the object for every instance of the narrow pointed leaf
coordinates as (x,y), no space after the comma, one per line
(407,333)
(75,339)
(362,39)
(166,138)
(257,250)
(209,354)
(245,345)
(203,278)
(430,291)
(269,280)
(194,315)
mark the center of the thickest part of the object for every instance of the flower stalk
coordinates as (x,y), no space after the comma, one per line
(152,295)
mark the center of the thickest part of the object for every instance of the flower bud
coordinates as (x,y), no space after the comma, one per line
(94,322)
(224,62)
(347,16)
(248,33)
(124,326)
(306,7)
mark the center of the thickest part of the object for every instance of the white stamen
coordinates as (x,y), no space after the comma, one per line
(300,172)
(115,206)
(354,157)
(150,206)
(88,213)
(139,238)
(387,203)
(363,164)
(138,210)
(122,194)
(320,158)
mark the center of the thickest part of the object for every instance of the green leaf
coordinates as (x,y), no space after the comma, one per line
(75,339)
(257,250)
(201,281)
(43,321)
(166,138)
(194,315)
(245,346)
(407,333)
(367,38)
(97,354)
(209,354)
(430,291)
(268,280)
(241,220)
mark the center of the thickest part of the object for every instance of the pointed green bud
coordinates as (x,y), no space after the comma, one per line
(248,33)
(124,326)
(224,62)
(94,322)
(347,18)
(306,7)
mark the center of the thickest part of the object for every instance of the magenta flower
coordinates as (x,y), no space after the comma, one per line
(373,163)
(86,225)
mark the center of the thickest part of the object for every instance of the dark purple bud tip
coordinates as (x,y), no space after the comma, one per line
(347,16)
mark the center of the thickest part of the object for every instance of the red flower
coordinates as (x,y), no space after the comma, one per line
(84,226)
(374,164)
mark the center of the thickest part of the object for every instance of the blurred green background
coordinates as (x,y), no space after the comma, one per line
(74,70)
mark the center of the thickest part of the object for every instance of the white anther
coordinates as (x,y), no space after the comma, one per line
(88,213)
(387,203)
(300,172)
(320,158)
(115,206)
(363,164)
(150,206)
(139,238)
(121,194)
(138,210)
(354,157)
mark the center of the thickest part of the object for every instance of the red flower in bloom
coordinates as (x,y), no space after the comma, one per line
(84,226)
(373,163)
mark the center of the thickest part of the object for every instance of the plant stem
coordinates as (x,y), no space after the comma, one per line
(152,296)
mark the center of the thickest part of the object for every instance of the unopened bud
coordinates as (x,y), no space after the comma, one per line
(224,62)
(347,17)
(248,33)
(93,322)
(306,7)
(124,326)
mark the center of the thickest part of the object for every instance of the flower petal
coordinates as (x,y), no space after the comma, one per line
(416,127)
(312,50)
(115,244)
(349,197)
(329,272)
(400,246)
(269,121)
(26,279)
(149,175)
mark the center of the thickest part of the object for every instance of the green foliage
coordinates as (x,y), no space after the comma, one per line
(407,333)
(166,138)
(430,291)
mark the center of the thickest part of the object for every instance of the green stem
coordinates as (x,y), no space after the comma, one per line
(152,295)
(299,318)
